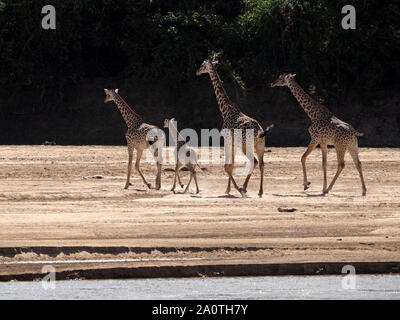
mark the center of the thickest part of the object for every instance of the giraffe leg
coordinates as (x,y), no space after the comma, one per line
(228,188)
(254,164)
(324,149)
(179,177)
(340,152)
(260,155)
(177,166)
(229,171)
(195,181)
(353,150)
(158,178)
(159,167)
(137,166)
(130,153)
(191,176)
(310,148)
(174,185)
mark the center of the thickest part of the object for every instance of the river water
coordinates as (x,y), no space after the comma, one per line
(282,287)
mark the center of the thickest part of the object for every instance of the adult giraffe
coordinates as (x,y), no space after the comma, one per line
(233,119)
(325,130)
(137,137)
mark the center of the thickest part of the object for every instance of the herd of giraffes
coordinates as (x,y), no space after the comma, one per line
(325,130)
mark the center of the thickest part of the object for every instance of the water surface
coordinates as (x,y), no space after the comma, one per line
(282,287)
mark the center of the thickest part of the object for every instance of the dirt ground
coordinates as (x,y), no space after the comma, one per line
(67,197)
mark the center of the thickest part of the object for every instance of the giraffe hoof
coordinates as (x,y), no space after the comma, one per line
(149,185)
(364,193)
(182,185)
(307,185)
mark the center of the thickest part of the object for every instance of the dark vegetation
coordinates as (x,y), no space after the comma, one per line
(51,81)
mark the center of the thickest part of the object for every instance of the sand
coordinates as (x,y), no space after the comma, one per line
(71,199)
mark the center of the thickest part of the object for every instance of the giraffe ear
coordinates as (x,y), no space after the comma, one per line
(106,91)
(293,75)
(116,90)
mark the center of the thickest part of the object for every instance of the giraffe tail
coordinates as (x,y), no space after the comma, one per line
(267,130)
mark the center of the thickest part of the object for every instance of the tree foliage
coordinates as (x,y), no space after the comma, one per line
(164,41)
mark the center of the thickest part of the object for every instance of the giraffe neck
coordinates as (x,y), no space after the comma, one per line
(312,108)
(131,118)
(225,104)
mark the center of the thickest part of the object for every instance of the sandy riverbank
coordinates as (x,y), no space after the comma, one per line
(71,200)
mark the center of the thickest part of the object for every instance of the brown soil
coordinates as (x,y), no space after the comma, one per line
(69,203)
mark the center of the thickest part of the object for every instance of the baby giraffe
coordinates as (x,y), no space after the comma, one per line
(182,152)
(325,130)
(136,137)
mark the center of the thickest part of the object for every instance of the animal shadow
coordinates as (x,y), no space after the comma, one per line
(301,195)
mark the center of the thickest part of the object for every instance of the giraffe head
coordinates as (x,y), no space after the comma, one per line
(205,67)
(168,121)
(110,94)
(283,80)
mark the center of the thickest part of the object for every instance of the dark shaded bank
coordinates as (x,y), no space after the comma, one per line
(227,270)
(51,81)
(55,251)
(97,268)
(80,117)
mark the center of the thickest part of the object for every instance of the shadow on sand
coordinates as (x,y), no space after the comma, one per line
(226,196)
(300,195)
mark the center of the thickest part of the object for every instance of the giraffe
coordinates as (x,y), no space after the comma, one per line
(325,130)
(188,152)
(136,137)
(233,119)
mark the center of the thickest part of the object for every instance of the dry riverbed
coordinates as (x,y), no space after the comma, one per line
(65,204)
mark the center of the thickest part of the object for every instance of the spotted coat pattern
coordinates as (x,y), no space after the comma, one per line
(136,136)
(233,118)
(325,130)
(187,151)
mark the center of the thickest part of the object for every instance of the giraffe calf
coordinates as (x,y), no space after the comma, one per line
(184,155)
